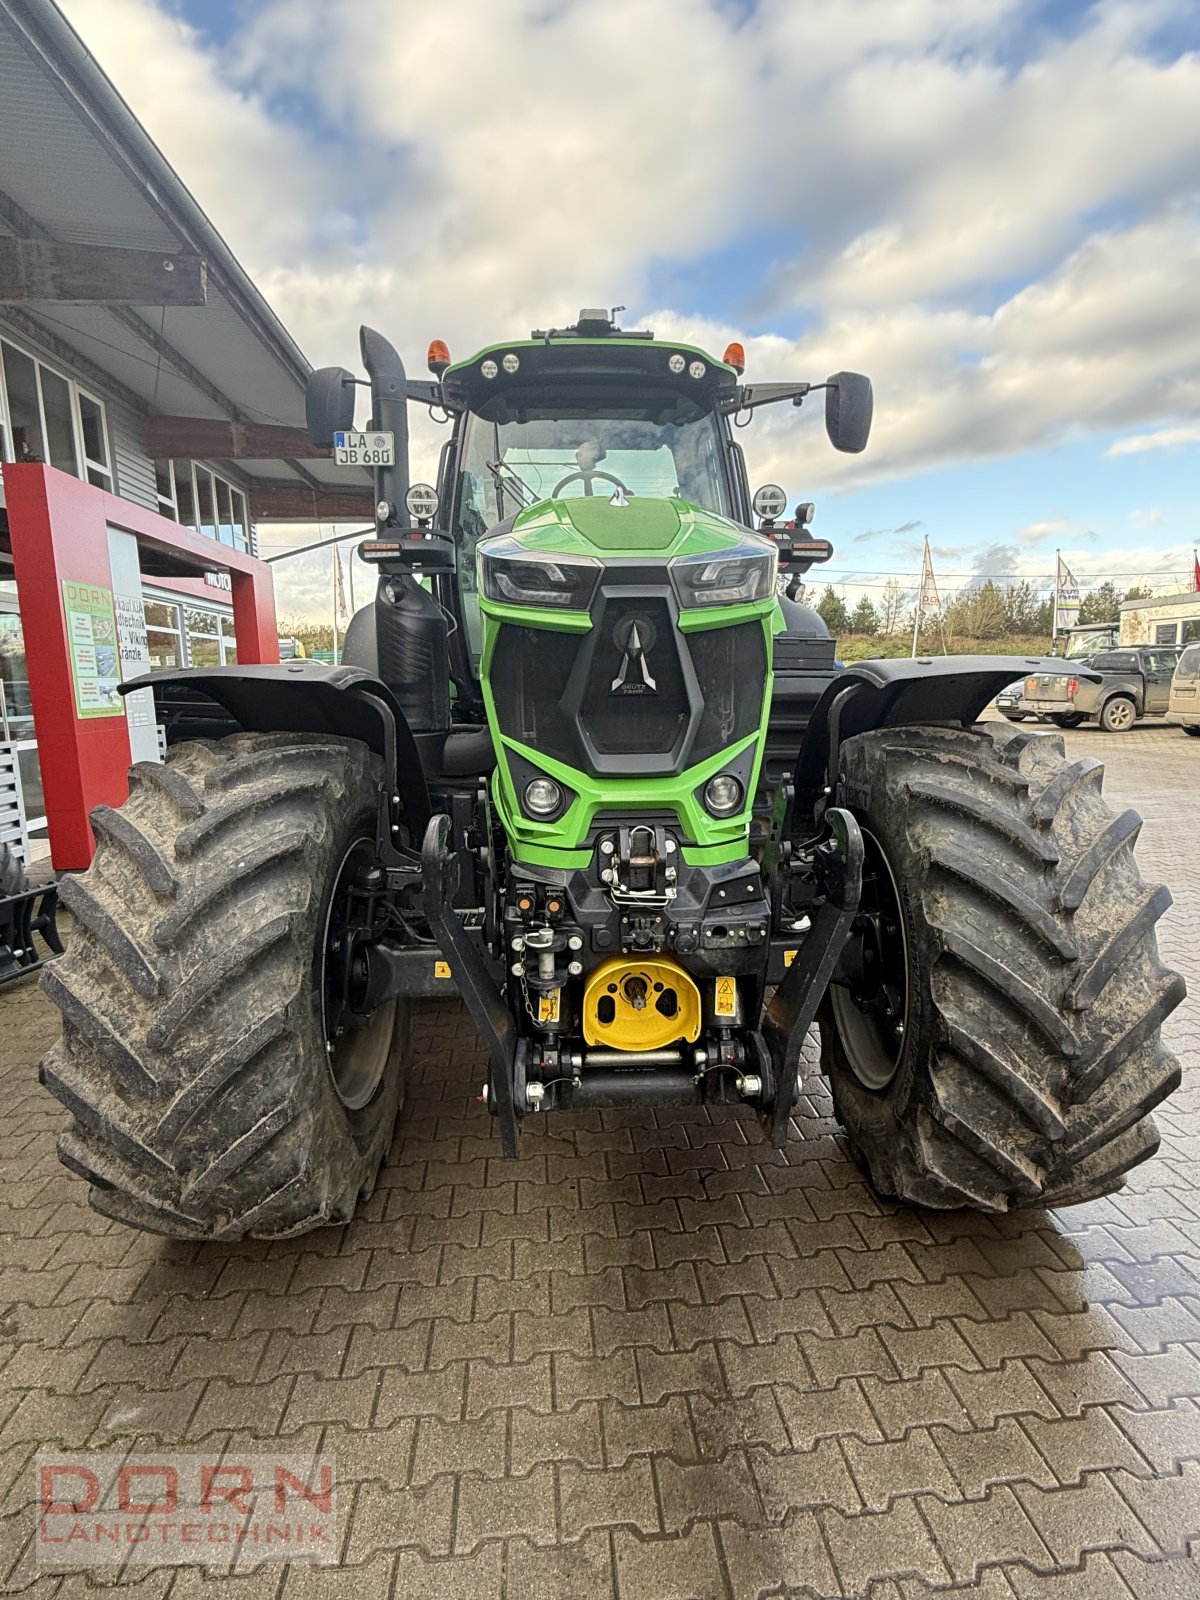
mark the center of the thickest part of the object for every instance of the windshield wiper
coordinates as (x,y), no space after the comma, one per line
(509,481)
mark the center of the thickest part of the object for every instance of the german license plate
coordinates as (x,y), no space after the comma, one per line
(364,449)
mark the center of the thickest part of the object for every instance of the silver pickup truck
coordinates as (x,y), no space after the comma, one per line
(1116,687)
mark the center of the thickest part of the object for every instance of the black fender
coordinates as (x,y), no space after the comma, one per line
(301,697)
(889,693)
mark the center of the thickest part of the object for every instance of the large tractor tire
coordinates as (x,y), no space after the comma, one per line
(994,1041)
(206,1099)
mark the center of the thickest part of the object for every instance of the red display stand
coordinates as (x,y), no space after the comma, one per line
(59,529)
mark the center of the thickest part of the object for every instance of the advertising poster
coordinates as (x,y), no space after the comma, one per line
(132,646)
(92,636)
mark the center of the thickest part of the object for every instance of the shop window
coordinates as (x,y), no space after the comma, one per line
(1166,632)
(206,503)
(199,498)
(185,494)
(60,434)
(1191,631)
(24,410)
(46,418)
(224,511)
(241,524)
(163,635)
(228,641)
(94,435)
(164,483)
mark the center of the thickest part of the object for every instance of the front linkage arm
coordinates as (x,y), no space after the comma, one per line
(476,984)
(837,866)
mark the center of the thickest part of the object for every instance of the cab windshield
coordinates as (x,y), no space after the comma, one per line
(1080,646)
(515,453)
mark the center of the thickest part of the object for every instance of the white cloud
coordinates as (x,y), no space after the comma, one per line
(933,169)
(1146,517)
(1162,439)
(267,188)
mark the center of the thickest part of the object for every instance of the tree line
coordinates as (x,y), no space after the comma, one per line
(988,611)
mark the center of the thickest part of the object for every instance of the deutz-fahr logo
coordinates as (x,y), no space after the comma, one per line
(635,636)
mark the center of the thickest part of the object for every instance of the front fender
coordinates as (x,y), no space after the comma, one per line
(302,697)
(888,693)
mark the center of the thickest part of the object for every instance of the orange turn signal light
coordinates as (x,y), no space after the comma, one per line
(735,357)
(438,358)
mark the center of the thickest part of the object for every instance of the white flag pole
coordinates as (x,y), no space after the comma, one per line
(334,608)
(1057,585)
(920,597)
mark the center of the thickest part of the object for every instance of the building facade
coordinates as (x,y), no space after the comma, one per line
(1162,619)
(137,356)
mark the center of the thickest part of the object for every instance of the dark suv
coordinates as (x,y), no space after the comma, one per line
(1116,687)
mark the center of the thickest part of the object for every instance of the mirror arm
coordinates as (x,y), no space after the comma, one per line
(748,396)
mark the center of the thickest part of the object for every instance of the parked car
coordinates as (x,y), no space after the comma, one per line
(1117,687)
(1008,701)
(1184,705)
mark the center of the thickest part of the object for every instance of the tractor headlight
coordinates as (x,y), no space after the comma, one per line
(514,576)
(542,797)
(723,795)
(726,577)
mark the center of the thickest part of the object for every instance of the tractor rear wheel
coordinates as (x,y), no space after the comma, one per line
(994,1039)
(207,1100)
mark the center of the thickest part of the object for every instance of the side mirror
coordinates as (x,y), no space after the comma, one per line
(849,406)
(329,403)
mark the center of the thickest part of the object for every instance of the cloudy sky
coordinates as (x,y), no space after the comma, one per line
(990,206)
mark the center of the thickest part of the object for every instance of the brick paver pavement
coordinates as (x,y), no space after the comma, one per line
(653,1360)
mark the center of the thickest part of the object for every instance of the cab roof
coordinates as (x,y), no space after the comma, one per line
(602,362)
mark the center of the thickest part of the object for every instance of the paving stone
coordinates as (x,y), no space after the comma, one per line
(893,1467)
(654,1360)
(684,1568)
(878,1544)
(759,1560)
(973,1533)
(498,1508)
(614,1497)
(558,1436)
(582,1571)
(477,1445)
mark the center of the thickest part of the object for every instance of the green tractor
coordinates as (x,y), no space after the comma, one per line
(591,765)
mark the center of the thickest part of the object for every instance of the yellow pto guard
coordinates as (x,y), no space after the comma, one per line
(640,1005)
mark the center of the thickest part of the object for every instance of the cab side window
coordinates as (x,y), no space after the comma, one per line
(1189,663)
(1162,661)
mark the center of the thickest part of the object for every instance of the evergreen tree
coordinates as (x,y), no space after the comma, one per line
(1102,604)
(864,618)
(831,608)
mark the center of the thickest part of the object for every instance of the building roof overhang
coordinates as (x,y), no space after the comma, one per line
(78,169)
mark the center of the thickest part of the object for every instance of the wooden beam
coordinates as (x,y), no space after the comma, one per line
(43,270)
(215,438)
(297,502)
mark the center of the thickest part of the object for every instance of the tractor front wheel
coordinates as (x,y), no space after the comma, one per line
(993,1036)
(211,1095)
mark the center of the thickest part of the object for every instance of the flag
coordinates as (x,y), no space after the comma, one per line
(339,586)
(1066,597)
(1195,573)
(928,599)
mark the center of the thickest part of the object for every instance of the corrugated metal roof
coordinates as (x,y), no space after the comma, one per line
(76,162)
